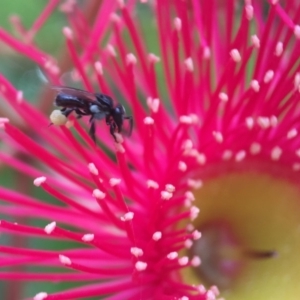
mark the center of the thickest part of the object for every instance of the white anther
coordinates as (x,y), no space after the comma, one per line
(170,188)
(249,122)
(268,76)
(153,58)
(65,260)
(38,181)
(40,296)
(187,145)
(127,217)
(68,33)
(114,181)
(131,59)
(152,184)
(195,184)
(279,49)
(255,148)
(111,50)
(276,153)
(255,41)
(148,121)
(183,261)
(189,195)
(189,64)
(218,136)
(190,227)
(98,194)
(185,120)
(50,227)
(196,261)
(88,237)
(172,255)
(201,289)
(3,121)
(194,212)
(182,166)
(201,158)
(273,121)
(136,251)
(92,168)
(165,195)
(187,203)
(297,80)
(52,67)
(227,154)
(196,235)
(249,12)
(255,85)
(156,236)
(235,55)
(263,122)
(240,155)
(188,243)
(98,67)
(297,31)
(215,290)
(140,266)
(177,24)
(195,118)
(19,97)
(292,133)
(206,52)
(155,105)
(223,97)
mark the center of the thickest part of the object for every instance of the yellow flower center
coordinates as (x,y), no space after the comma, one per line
(250,224)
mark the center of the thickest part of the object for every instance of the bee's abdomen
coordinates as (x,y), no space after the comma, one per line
(69,101)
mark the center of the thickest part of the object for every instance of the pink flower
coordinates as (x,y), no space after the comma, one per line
(221,95)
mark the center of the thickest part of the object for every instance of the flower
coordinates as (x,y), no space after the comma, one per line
(226,104)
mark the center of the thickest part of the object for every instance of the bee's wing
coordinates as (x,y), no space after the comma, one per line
(76,93)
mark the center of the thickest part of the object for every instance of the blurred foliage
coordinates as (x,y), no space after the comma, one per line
(22,72)
(48,38)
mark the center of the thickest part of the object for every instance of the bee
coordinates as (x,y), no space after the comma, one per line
(96,105)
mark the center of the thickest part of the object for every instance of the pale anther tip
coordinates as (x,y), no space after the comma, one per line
(157,235)
(140,266)
(88,237)
(40,296)
(65,260)
(50,227)
(40,180)
(114,181)
(136,251)
(68,33)
(92,168)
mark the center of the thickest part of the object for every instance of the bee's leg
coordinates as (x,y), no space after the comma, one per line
(92,130)
(130,123)
(66,111)
(112,129)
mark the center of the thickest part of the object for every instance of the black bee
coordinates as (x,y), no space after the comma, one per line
(96,105)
